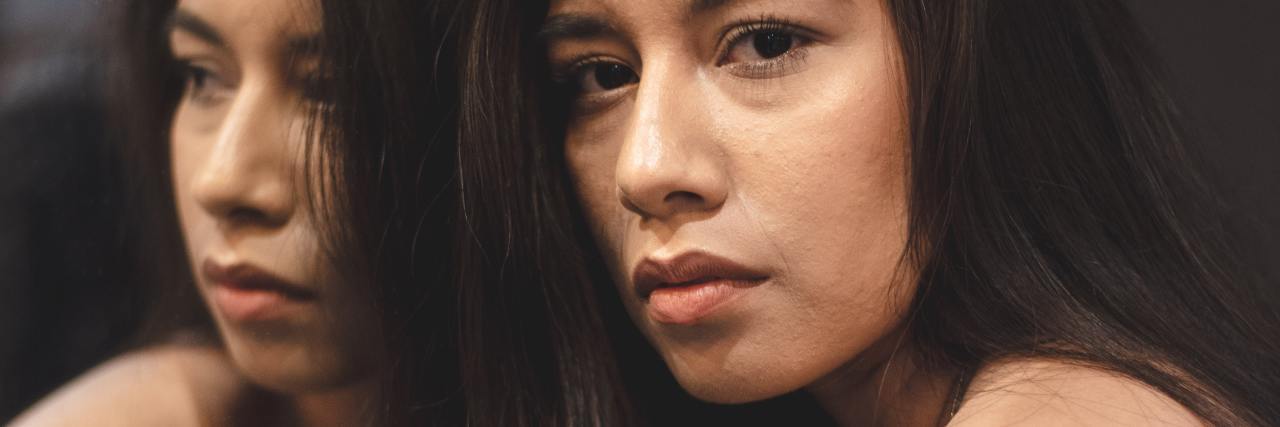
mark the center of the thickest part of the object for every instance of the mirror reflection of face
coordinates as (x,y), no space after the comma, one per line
(238,140)
(742,165)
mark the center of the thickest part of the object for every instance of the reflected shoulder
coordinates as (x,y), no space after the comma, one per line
(1055,393)
(153,386)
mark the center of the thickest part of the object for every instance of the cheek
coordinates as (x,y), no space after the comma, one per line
(192,136)
(592,160)
(850,172)
(825,183)
(828,180)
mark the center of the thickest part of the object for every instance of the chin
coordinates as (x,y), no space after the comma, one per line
(722,384)
(725,394)
(731,393)
(292,368)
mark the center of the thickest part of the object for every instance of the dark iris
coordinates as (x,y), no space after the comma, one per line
(613,76)
(197,76)
(770,45)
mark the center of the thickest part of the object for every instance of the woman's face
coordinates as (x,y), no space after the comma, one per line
(743,167)
(238,138)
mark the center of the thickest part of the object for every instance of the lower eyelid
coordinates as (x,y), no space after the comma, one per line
(594,103)
(212,92)
(773,67)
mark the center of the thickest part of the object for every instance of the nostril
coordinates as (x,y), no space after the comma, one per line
(631,206)
(245,215)
(688,197)
(671,203)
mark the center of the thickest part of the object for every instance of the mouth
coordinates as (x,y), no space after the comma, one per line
(691,286)
(244,293)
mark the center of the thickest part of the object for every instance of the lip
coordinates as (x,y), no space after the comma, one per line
(243,292)
(691,286)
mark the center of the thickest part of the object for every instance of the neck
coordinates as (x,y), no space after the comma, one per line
(346,406)
(884,386)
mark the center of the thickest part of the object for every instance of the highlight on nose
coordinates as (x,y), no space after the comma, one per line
(662,171)
(665,193)
(232,194)
(667,163)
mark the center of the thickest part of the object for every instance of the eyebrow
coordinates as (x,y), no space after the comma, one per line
(185,21)
(576,26)
(697,7)
(583,26)
(192,24)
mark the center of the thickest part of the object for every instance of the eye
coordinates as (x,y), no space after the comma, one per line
(761,45)
(602,76)
(196,77)
(764,49)
(202,85)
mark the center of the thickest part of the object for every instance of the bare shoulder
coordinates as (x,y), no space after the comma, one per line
(155,386)
(1055,393)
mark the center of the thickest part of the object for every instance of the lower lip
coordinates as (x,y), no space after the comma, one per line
(686,305)
(247,305)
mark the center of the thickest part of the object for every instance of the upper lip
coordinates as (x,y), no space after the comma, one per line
(248,276)
(688,268)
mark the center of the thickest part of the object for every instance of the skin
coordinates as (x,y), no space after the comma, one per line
(238,138)
(827,120)
(792,165)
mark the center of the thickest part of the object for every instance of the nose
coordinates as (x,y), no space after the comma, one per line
(669,164)
(245,178)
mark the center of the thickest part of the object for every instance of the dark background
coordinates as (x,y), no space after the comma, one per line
(60,289)
(1224,60)
(61,305)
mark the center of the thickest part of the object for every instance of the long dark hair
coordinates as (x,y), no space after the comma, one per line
(145,85)
(536,349)
(386,142)
(543,345)
(1055,210)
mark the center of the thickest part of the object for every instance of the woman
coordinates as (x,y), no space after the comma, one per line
(311,213)
(965,212)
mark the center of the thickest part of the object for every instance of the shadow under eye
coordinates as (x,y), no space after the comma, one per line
(766,55)
(591,86)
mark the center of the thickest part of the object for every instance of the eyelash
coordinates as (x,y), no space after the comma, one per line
(314,87)
(741,31)
(195,83)
(733,35)
(567,80)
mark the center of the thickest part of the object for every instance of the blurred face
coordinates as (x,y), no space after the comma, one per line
(742,165)
(238,139)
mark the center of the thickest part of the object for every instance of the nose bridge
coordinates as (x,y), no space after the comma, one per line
(652,146)
(666,164)
(245,171)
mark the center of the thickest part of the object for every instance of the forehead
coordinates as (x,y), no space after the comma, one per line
(577,19)
(626,16)
(629,10)
(678,6)
(256,21)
